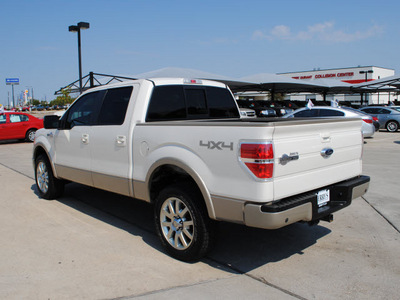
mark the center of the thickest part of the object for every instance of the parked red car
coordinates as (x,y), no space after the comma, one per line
(15,125)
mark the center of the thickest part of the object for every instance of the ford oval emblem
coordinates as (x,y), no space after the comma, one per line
(327,152)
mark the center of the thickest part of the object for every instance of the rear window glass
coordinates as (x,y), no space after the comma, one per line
(396,108)
(309,113)
(196,102)
(177,102)
(384,111)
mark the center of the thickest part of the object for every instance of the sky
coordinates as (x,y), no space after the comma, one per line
(230,38)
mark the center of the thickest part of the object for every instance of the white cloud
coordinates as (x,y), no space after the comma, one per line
(276,33)
(320,27)
(322,32)
(258,35)
(281,31)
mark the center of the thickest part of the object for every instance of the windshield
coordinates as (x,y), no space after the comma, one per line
(397,108)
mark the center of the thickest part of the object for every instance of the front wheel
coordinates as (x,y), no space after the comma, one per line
(182,222)
(392,126)
(48,186)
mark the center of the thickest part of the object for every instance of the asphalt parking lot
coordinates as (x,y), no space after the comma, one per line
(92,244)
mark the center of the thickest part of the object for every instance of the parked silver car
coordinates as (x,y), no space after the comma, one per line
(367,128)
(388,117)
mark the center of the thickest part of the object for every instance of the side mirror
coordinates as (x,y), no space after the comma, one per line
(51,122)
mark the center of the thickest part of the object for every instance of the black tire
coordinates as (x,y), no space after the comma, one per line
(182,222)
(392,126)
(30,135)
(48,186)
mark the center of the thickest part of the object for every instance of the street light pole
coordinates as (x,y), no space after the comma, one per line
(366,80)
(31,87)
(77,28)
(366,74)
(13,101)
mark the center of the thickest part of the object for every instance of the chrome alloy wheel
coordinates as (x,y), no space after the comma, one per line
(177,223)
(31,135)
(392,126)
(42,177)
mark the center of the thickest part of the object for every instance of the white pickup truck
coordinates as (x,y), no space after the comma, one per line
(181,145)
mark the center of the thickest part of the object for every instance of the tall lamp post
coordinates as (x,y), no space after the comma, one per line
(366,80)
(31,101)
(366,74)
(77,28)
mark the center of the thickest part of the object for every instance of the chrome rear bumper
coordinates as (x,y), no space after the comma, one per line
(304,207)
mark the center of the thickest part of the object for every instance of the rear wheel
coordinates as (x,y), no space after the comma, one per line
(182,222)
(30,135)
(48,186)
(392,126)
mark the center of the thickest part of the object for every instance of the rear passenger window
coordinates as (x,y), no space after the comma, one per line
(114,106)
(18,118)
(167,103)
(308,113)
(220,103)
(177,102)
(330,113)
(371,110)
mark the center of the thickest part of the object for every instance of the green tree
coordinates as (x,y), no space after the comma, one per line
(63,99)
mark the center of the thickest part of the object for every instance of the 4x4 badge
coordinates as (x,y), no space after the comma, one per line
(217,145)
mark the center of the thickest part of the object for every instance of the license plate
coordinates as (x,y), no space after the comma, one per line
(322,197)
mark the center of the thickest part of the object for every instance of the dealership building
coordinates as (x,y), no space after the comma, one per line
(353,76)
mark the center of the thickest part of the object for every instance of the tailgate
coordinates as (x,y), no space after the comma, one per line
(310,154)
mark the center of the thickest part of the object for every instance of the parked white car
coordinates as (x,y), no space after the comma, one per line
(247,113)
(367,127)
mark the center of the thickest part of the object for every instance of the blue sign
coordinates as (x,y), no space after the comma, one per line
(12,81)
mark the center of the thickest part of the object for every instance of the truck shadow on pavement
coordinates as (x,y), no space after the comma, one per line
(238,249)
(245,248)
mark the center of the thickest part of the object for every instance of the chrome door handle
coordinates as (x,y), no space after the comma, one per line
(121,140)
(85,138)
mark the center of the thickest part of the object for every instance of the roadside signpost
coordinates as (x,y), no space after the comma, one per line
(12,82)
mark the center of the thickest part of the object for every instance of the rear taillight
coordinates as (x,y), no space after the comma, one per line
(369,121)
(257,151)
(258,158)
(375,119)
